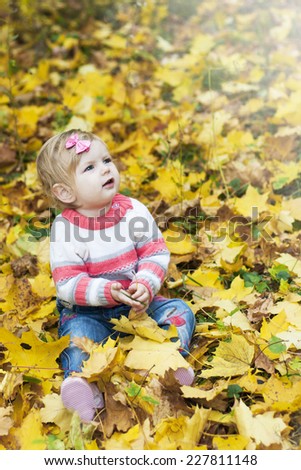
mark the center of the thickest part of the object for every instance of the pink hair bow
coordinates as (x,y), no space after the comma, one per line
(80,145)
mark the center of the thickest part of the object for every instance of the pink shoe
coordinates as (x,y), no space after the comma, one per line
(79,395)
(184,376)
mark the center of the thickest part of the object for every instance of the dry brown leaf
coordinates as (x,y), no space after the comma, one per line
(119,416)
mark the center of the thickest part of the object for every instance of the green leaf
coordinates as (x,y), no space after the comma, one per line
(133,390)
(234,391)
(53,443)
(251,278)
(280,182)
(151,400)
(276,345)
(262,287)
(295,364)
(280,272)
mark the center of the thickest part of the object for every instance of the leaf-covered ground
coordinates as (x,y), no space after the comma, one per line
(200,104)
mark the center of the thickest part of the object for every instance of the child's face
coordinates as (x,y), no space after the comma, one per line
(96,180)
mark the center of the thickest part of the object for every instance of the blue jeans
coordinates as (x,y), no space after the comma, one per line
(94,323)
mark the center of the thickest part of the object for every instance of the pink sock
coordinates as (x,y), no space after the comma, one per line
(79,395)
(184,376)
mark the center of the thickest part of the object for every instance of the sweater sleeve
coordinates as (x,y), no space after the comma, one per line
(152,252)
(73,283)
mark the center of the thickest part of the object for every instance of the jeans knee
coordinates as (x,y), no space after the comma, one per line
(185,311)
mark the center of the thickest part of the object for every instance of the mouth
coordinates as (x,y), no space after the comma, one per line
(108,183)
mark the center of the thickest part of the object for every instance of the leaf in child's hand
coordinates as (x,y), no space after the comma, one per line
(133,315)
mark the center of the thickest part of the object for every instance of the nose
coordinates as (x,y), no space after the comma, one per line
(105,169)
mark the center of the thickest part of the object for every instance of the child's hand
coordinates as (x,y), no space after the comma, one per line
(140,294)
(137,296)
(119,295)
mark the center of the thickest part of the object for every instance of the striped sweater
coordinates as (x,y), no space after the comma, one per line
(88,254)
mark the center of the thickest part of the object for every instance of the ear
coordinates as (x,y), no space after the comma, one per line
(63,193)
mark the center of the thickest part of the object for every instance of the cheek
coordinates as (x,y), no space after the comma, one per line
(117,175)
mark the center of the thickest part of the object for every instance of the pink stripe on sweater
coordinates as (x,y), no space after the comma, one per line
(125,260)
(113,264)
(152,248)
(63,273)
(80,291)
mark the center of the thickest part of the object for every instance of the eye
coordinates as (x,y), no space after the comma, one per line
(107,160)
(89,168)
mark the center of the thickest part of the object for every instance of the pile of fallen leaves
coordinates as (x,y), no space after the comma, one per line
(200,106)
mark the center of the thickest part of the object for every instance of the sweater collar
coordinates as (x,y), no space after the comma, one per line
(120,205)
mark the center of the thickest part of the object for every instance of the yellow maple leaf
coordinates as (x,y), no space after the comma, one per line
(43,285)
(170,75)
(237,290)
(239,320)
(292,311)
(230,442)
(30,354)
(183,432)
(289,109)
(28,117)
(205,277)
(225,307)
(115,41)
(100,362)
(119,91)
(178,242)
(270,329)
(201,44)
(291,262)
(42,312)
(30,434)
(262,429)
(231,358)
(283,172)
(220,417)
(252,106)
(55,412)
(89,81)
(230,256)
(130,440)
(238,139)
(293,206)
(291,337)
(145,327)
(252,203)
(194,392)
(152,356)
(250,382)
(282,394)
(173,184)
(169,181)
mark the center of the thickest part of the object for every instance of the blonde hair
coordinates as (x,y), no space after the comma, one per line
(56,164)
